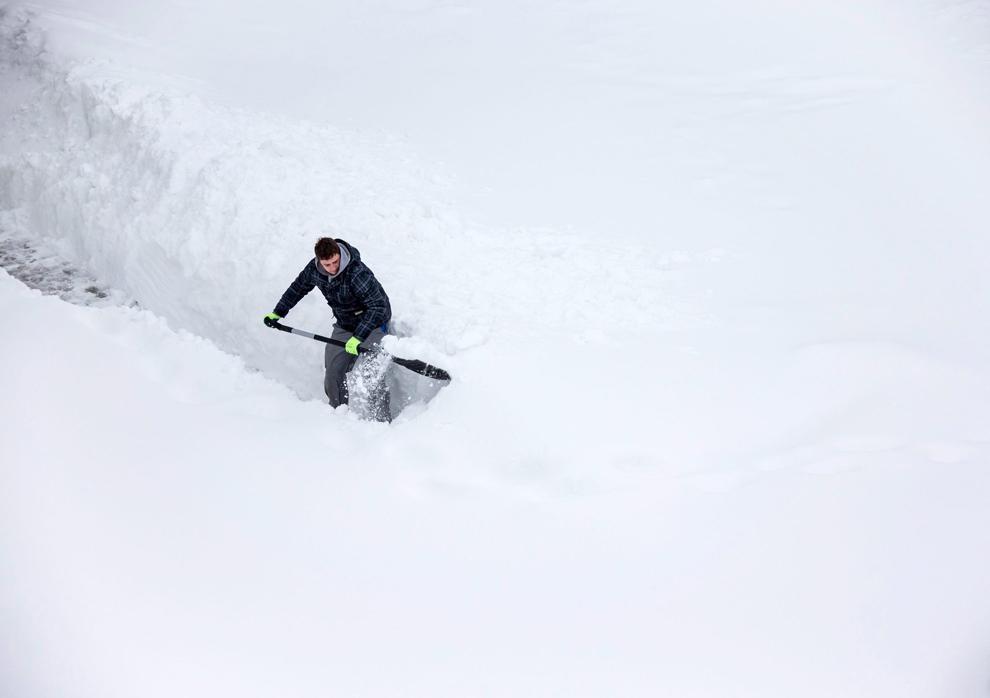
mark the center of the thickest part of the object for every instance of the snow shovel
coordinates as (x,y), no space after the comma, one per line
(420,367)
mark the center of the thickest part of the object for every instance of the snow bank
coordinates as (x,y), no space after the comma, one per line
(202,214)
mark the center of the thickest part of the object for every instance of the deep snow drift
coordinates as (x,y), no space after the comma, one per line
(719,423)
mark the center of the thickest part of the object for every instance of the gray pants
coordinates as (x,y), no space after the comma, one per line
(338,364)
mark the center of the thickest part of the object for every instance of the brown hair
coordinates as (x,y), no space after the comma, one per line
(326,248)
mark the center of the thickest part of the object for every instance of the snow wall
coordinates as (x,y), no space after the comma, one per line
(204,214)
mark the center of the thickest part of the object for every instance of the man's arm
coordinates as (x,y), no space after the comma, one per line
(377,309)
(303,284)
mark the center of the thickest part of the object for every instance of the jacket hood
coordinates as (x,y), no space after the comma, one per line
(348,254)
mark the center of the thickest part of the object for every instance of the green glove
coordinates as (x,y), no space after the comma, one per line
(271,318)
(352,346)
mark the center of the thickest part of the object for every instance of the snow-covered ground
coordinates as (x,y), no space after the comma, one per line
(711,280)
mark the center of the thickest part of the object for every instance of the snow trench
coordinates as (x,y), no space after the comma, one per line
(202,214)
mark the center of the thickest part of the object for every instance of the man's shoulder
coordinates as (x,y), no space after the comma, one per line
(311,269)
(360,274)
(356,266)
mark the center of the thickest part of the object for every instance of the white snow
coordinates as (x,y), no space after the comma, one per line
(711,280)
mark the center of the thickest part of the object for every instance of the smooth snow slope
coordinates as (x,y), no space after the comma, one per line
(731,442)
(172,525)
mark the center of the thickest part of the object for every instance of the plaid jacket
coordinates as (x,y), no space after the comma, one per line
(358,301)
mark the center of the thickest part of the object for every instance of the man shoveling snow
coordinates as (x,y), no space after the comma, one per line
(361,311)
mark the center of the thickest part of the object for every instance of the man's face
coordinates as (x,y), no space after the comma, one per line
(332,265)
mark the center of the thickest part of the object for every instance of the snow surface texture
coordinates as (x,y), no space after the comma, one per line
(719,424)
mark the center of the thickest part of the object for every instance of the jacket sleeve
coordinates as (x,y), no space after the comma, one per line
(303,284)
(377,309)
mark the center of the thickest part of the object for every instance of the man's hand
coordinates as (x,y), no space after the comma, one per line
(352,346)
(271,318)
